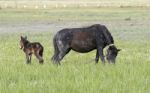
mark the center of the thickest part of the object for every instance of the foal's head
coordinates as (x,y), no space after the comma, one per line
(112,53)
(23,41)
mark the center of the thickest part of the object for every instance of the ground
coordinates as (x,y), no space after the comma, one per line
(78,72)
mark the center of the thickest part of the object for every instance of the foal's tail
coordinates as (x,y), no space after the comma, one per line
(56,50)
(41,52)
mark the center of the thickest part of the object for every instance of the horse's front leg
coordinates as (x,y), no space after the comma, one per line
(101,54)
(97,57)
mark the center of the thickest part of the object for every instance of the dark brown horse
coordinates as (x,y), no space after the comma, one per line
(84,40)
(31,48)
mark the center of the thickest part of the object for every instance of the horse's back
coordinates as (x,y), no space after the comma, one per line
(84,39)
(79,39)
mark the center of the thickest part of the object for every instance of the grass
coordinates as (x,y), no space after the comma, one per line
(73,14)
(131,74)
(30,4)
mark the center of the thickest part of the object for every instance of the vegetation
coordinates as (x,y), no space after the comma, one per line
(77,74)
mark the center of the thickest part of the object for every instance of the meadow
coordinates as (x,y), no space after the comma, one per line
(78,72)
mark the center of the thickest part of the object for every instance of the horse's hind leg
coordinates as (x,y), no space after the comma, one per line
(56,53)
(61,55)
(63,51)
(56,50)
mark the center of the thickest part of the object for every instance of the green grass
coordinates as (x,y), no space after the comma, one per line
(73,14)
(131,74)
(48,4)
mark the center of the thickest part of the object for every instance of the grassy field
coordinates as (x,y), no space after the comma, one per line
(47,4)
(129,27)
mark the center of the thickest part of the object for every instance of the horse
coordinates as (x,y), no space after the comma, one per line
(31,48)
(84,40)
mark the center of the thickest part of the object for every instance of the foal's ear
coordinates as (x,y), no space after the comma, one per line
(21,37)
(25,37)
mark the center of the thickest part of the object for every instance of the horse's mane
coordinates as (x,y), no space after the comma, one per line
(107,34)
(91,26)
(105,31)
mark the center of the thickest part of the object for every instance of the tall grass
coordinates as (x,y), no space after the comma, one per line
(46,4)
(73,14)
(131,73)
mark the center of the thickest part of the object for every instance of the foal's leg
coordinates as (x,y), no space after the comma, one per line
(39,57)
(97,57)
(101,54)
(28,58)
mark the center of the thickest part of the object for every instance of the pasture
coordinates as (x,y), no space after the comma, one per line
(78,72)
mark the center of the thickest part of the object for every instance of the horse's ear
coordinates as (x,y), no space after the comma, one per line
(110,47)
(118,50)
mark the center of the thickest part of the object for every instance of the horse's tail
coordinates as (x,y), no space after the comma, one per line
(56,50)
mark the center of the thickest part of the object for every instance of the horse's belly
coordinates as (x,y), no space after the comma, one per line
(83,47)
(83,50)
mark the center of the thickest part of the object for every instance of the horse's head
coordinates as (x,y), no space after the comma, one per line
(112,53)
(22,41)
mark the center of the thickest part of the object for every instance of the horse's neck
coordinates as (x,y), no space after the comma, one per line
(108,36)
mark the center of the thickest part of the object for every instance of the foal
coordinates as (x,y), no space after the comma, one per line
(31,48)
